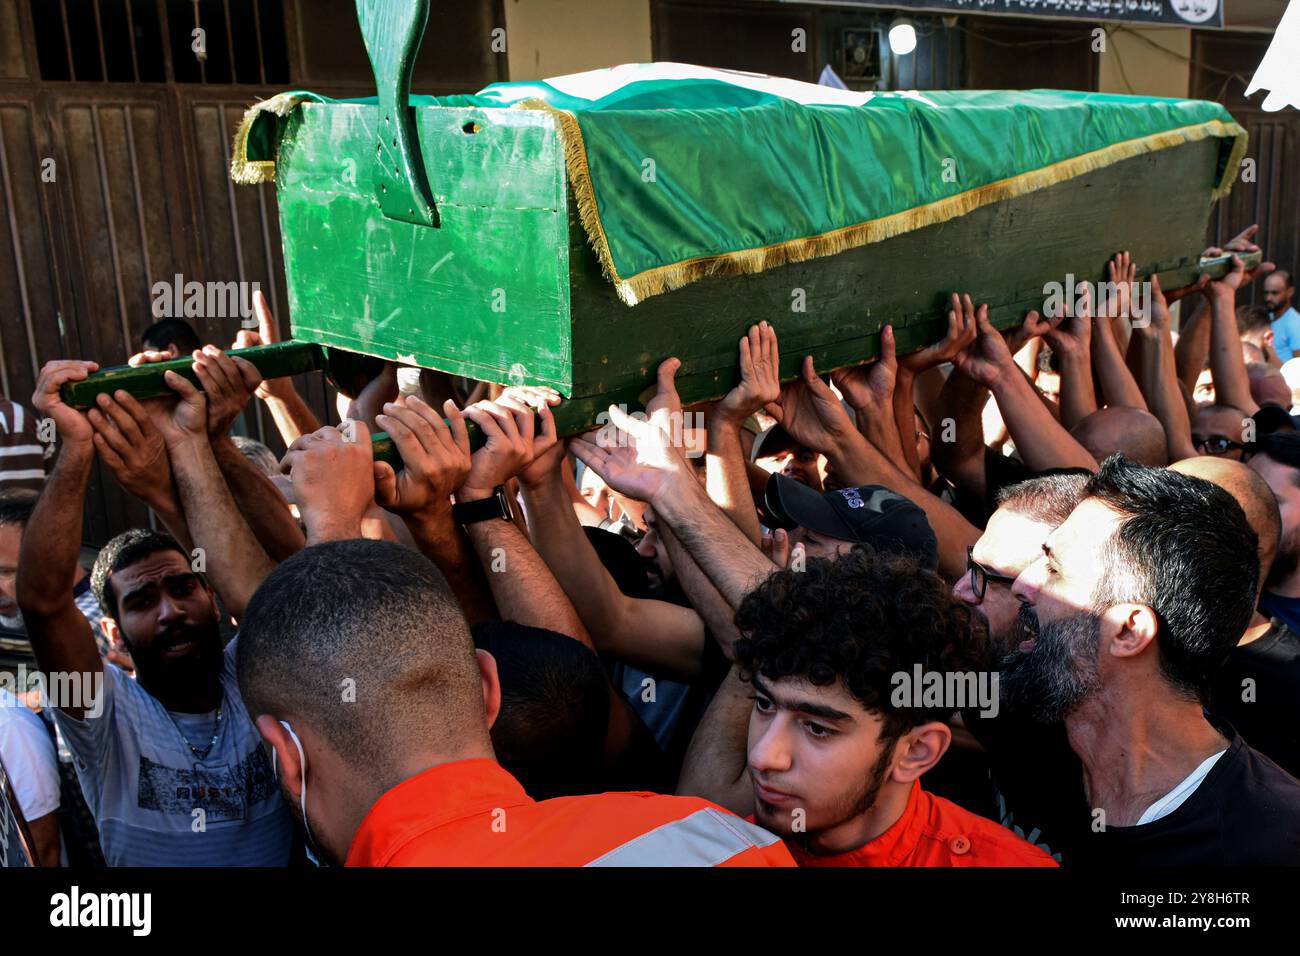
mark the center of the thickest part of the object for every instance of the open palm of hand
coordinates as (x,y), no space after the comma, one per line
(760,374)
(634,455)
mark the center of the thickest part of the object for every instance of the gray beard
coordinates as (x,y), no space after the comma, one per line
(1051,681)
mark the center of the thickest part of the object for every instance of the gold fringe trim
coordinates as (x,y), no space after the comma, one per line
(643,285)
(248,172)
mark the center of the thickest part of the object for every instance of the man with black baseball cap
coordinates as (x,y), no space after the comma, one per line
(828,523)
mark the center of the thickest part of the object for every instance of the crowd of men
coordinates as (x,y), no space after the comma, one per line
(1054,571)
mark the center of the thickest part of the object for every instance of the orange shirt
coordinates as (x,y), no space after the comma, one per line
(474,813)
(936,832)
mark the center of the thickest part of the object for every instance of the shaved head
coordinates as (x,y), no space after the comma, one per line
(1136,434)
(1268,385)
(1252,493)
(364,642)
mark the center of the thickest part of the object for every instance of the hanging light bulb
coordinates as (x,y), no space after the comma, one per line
(902,37)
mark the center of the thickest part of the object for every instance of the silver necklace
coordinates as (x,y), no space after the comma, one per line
(216,731)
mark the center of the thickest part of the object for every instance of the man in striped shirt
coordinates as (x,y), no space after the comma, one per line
(22,454)
(16,507)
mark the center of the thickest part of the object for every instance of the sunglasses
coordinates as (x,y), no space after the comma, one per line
(1215,444)
(980,576)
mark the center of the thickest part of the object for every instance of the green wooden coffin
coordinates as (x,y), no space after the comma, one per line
(574,233)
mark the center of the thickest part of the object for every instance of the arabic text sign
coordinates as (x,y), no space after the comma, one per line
(1200,13)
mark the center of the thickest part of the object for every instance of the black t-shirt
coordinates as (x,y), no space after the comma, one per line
(1246,812)
(1269,715)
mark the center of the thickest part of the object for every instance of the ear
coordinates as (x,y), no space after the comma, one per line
(1134,627)
(920,749)
(288,764)
(113,633)
(487,668)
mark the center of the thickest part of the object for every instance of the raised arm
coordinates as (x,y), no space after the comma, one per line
(235,562)
(717,762)
(870,391)
(228,384)
(523,587)
(655,635)
(918,365)
(1118,386)
(132,449)
(1231,382)
(1153,346)
(1193,348)
(60,635)
(728,472)
(1040,439)
(292,417)
(811,412)
(1071,342)
(637,458)
(760,383)
(436,460)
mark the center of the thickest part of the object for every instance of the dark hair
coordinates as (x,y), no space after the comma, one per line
(123,551)
(1252,318)
(1270,419)
(171,331)
(859,620)
(17,505)
(1048,498)
(550,733)
(619,557)
(1282,446)
(364,641)
(1185,549)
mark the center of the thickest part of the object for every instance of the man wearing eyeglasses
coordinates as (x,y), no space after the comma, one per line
(1218,431)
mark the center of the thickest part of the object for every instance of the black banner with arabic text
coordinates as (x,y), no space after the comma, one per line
(1187,13)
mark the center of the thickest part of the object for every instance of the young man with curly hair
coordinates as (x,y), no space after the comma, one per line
(835,752)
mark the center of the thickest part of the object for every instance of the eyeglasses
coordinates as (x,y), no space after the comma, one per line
(1215,444)
(980,576)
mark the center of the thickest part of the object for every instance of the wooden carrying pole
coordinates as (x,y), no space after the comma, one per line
(297,357)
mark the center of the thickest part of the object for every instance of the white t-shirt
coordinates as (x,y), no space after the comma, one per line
(27,751)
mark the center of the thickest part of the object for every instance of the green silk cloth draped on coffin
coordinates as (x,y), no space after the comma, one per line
(678,179)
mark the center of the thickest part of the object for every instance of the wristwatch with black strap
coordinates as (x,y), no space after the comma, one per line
(466,513)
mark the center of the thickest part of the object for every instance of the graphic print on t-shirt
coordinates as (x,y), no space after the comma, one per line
(223,795)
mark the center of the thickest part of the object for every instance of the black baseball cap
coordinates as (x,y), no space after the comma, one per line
(869,514)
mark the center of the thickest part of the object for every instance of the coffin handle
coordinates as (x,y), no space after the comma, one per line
(392,30)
